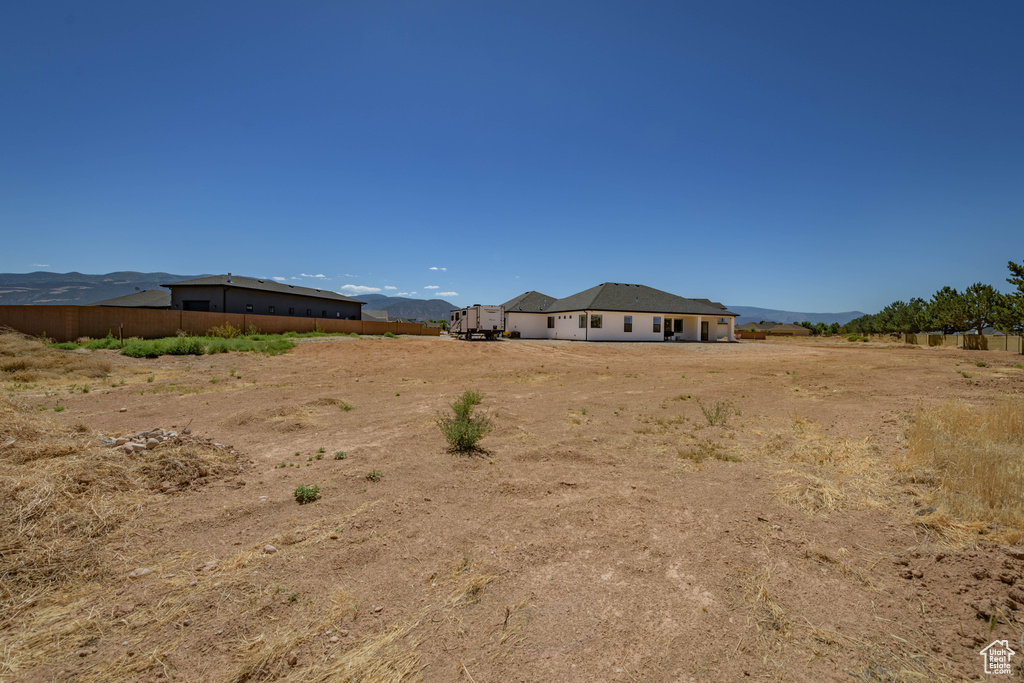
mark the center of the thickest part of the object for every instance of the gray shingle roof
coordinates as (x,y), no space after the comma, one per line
(529,302)
(150,298)
(241,282)
(614,296)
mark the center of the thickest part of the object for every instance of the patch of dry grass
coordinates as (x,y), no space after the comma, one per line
(976,456)
(26,359)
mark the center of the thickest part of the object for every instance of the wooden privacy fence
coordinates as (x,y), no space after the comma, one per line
(67,323)
(971,342)
(750,334)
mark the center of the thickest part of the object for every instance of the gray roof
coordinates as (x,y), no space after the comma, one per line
(614,296)
(241,282)
(529,302)
(149,298)
(375,316)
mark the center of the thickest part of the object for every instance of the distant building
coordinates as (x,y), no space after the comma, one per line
(236,294)
(618,312)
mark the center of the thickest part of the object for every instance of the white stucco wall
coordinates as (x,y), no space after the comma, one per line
(529,325)
(612,324)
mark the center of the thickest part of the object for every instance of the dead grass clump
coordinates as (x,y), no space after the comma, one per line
(765,611)
(63,493)
(26,359)
(977,455)
(813,494)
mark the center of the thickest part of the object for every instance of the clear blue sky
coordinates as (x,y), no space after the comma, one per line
(811,156)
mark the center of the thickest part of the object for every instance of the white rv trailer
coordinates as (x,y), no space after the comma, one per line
(487,321)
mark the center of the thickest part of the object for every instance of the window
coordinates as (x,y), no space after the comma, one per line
(595,322)
(271,308)
(723,321)
(309,311)
(677,325)
(627,323)
(657,323)
(323,314)
(583,320)
(291,311)
(248,308)
(338,314)
(551,322)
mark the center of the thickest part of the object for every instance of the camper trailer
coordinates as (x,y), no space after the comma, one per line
(485,321)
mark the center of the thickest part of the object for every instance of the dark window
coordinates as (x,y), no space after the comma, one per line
(248,308)
(309,311)
(291,311)
(271,309)
(324,314)
(677,325)
(657,323)
(627,323)
(551,321)
(596,321)
(583,320)
(337,315)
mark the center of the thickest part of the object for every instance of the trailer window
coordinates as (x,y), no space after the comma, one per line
(657,323)
(596,321)
(551,322)
(627,323)
(583,320)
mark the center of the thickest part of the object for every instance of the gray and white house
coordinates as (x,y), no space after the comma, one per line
(619,312)
(236,294)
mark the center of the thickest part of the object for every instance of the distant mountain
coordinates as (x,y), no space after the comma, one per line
(752,314)
(42,288)
(401,307)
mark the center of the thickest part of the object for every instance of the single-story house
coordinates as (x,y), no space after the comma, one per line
(236,294)
(788,330)
(618,312)
(374,316)
(148,298)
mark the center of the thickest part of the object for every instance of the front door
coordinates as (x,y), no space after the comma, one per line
(704,330)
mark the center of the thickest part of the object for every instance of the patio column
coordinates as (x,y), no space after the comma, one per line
(700,319)
(732,329)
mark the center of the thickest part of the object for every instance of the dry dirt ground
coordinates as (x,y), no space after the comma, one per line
(606,531)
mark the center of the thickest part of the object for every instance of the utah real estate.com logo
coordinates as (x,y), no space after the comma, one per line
(997,657)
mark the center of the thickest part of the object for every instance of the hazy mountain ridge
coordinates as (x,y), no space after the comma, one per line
(752,314)
(76,289)
(402,307)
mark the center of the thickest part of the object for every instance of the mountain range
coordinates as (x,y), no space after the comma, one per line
(43,288)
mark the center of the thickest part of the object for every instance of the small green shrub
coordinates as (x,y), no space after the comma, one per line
(185,346)
(66,346)
(981,364)
(138,348)
(340,455)
(462,429)
(225,331)
(306,494)
(374,475)
(150,379)
(1019,366)
(390,335)
(719,413)
(108,342)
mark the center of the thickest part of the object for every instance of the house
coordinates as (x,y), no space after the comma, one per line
(149,298)
(788,330)
(236,294)
(614,311)
(375,316)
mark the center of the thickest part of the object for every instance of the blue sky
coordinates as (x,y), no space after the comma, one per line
(808,156)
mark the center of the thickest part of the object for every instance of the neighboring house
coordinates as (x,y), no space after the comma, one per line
(149,298)
(788,330)
(375,316)
(618,312)
(236,294)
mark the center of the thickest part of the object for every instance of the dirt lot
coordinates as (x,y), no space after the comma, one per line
(607,532)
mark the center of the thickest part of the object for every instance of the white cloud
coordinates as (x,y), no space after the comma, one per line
(436,268)
(40,265)
(431,287)
(309,275)
(389,287)
(279,278)
(402,294)
(447,293)
(347,275)
(412,292)
(359,289)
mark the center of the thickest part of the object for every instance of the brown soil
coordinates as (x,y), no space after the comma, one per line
(606,532)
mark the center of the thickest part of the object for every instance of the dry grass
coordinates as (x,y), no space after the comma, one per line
(812,494)
(765,611)
(63,496)
(26,359)
(976,457)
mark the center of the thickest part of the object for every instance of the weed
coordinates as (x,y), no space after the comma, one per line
(1019,366)
(390,335)
(306,494)
(339,455)
(397,393)
(59,409)
(719,413)
(344,406)
(225,331)
(462,429)
(321,450)
(966,375)
(981,364)
(374,475)
(150,379)
(319,455)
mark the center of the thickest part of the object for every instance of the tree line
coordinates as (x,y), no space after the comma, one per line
(951,312)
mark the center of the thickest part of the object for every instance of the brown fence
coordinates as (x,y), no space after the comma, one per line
(750,334)
(971,342)
(67,323)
